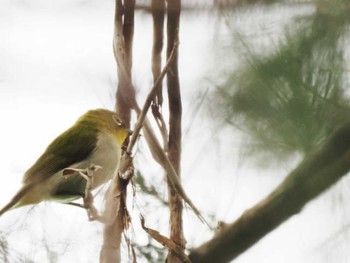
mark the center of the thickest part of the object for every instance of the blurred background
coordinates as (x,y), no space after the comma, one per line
(263,84)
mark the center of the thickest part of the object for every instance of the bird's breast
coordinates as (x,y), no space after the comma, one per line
(106,155)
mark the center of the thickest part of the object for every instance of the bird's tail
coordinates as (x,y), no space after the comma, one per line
(15,201)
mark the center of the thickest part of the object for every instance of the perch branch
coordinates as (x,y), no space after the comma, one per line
(116,217)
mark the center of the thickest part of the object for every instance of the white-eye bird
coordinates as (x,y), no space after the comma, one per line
(95,140)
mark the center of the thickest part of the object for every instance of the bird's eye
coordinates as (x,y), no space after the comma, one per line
(117,120)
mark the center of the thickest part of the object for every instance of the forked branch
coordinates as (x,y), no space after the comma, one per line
(142,115)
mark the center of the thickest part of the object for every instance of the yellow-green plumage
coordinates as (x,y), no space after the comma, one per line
(95,139)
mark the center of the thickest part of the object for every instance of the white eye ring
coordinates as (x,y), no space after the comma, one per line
(117,120)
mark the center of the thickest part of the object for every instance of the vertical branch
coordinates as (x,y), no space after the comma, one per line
(116,216)
(122,45)
(174,141)
(158,12)
(158,7)
(128,33)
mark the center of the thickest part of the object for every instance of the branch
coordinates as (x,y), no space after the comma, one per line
(116,217)
(153,143)
(128,32)
(168,243)
(127,91)
(175,129)
(313,176)
(158,12)
(122,48)
(142,115)
(158,7)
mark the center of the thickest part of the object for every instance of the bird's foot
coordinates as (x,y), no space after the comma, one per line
(88,175)
(91,209)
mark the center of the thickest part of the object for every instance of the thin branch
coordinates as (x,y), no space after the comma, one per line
(168,243)
(158,12)
(175,129)
(156,150)
(128,93)
(158,7)
(154,144)
(122,48)
(158,116)
(148,102)
(128,32)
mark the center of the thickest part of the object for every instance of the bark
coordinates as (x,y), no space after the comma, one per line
(116,220)
(128,33)
(158,7)
(123,42)
(313,176)
(116,217)
(174,140)
(115,213)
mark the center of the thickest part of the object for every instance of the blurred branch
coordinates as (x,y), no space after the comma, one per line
(128,33)
(158,9)
(224,4)
(122,48)
(175,121)
(216,5)
(313,176)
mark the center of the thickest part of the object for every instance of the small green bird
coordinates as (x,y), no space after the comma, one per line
(94,142)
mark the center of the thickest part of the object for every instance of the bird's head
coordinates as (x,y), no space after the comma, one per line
(108,121)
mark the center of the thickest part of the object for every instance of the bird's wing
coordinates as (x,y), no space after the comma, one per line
(72,146)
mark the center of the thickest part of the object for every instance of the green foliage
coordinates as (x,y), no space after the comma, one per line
(292,99)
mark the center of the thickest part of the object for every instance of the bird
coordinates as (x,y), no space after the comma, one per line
(79,160)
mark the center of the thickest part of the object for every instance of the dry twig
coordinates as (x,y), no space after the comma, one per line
(171,245)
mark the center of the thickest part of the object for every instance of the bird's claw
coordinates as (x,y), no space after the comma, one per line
(88,175)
